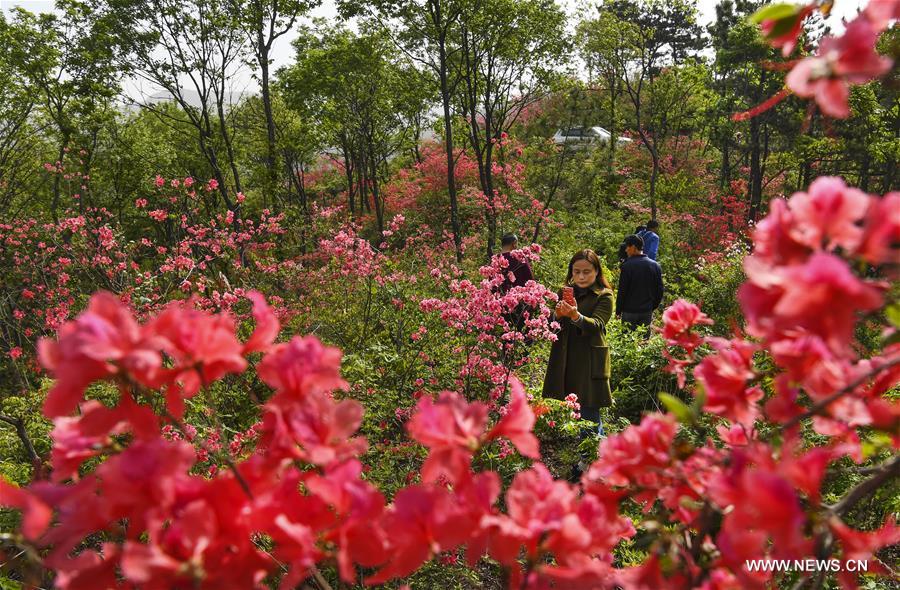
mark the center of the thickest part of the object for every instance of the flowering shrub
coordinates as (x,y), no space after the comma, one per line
(297,499)
(47,267)
(484,317)
(190,529)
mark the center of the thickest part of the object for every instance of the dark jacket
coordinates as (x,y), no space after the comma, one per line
(520,270)
(640,285)
(579,359)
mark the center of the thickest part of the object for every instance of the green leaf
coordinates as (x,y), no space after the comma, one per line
(677,408)
(781,27)
(891,339)
(893,314)
(775,12)
(699,400)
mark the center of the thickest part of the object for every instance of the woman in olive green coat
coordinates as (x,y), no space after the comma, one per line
(579,359)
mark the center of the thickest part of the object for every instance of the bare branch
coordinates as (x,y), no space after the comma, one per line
(883,473)
(19,425)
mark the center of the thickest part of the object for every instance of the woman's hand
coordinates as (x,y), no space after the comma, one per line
(565,310)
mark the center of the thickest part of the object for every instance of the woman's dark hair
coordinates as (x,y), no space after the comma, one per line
(590,256)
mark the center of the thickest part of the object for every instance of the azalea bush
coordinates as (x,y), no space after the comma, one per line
(190,439)
(295,500)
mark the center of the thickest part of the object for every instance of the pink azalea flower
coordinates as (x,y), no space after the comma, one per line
(518,422)
(828,215)
(821,296)
(36,514)
(788,39)
(774,238)
(881,12)
(267,325)
(882,230)
(452,429)
(678,321)
(202,347)
(302,366)
(840,62)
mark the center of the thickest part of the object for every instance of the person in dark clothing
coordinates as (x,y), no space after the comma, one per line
(517,274)
(623,256)
(520,269)
(640,286)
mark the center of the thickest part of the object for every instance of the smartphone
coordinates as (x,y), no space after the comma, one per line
(569,295)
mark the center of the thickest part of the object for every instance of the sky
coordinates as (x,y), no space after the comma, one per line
(283,52)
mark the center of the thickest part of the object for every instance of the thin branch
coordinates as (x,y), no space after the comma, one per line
(320,579)
(234,470)
(824,403)
(19,425)
(885,472)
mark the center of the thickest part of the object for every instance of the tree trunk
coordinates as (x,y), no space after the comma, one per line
(376,197)
(57,178)
(417,137)
(725,169)
(755,171)
(448,138)
(864,172)
(203,127)
(613,93)
(491,212)
(654,175)
(229,148)
(348,172)
(887,182)
(271,153)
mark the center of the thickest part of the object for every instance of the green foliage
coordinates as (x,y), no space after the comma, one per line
(638,375)
(712,285)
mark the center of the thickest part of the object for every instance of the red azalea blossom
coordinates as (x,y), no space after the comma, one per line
(822,296)
(636,454)
(774,238)
(678,321)
(881,12)
(302,366)
(203,347)
(788,39)
(881,238)
(862,545)
(104,341)
(36,514)
(517,423)
(315,428)
(724,377)
(267,325)
(452,429)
